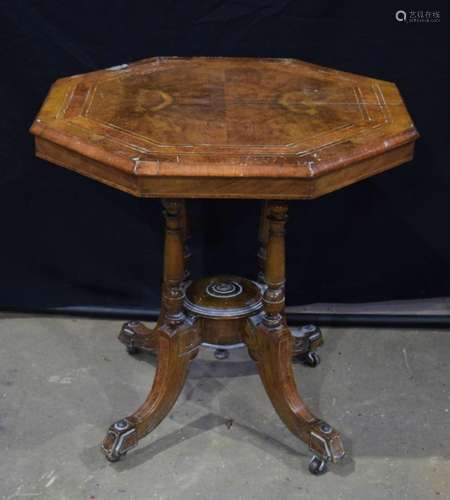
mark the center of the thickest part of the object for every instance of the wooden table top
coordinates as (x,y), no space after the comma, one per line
(224,127)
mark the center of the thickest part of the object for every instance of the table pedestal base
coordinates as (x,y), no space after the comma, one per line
(225,312)
(138,337)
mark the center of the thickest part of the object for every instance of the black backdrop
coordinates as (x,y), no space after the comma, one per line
(68,241)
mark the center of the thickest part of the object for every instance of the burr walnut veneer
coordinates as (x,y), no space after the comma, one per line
(268,129)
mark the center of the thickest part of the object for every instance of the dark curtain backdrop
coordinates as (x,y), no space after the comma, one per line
(68,241)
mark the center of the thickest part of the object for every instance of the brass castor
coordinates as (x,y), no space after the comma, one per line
(317,466)
(221,354)
(310,358)
(306,339)
(131,349)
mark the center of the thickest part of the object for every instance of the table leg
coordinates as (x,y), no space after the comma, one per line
(176,338)
(270,344)
(307,338)
(134,334)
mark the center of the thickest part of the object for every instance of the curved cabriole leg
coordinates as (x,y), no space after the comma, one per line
(270,344)
(178,345)
(271,349)
(175,337)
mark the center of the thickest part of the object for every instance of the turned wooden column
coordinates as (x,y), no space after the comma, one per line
(174,260)
(274,266)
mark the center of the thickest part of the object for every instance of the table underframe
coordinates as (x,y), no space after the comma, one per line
(182,329)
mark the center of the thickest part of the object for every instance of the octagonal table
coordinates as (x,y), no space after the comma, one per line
(268,129)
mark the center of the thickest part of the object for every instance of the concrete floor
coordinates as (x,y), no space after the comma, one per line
(64,380)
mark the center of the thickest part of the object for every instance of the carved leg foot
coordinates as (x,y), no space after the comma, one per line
(307,338)
(177,346)
(135,335)
(271,348)
(121,437)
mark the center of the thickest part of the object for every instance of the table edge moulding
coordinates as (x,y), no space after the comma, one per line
(383,138)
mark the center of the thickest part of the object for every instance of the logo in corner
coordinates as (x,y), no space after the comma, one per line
(400,15)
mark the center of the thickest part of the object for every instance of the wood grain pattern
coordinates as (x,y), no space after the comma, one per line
(203,126)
